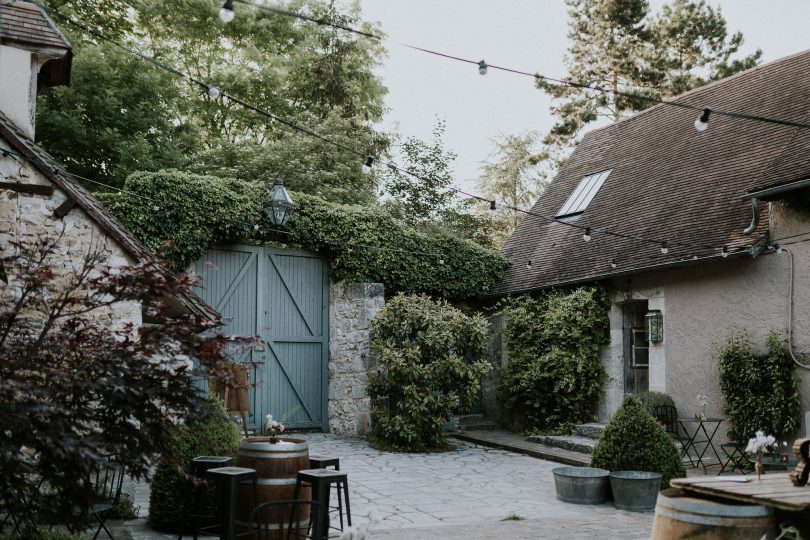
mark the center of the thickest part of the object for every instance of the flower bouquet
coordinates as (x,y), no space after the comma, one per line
(273,428)
(758,445)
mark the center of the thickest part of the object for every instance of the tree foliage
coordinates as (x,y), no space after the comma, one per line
(78,384)
(619,45)
(761,391)
(555,374)
(363,244)
(634,441)
(430,365)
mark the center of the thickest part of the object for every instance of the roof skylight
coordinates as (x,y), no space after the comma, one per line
(583,194)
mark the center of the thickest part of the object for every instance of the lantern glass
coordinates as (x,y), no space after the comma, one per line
(654,326)
(281,206)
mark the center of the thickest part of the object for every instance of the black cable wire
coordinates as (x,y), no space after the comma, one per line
(536,76)
(297,127)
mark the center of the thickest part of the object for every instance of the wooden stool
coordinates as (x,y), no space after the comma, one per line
(321,481)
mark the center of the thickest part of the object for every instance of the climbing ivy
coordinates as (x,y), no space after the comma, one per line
(196,211)
(555,374)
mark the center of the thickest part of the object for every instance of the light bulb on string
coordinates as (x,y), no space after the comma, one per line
(156,207)
(256,227)
(694,257)
(227,14)
(613,263)
(492,207)
(213,91)
(664,248)
(529,263)
(482,68)
(367,165)
(724,253)
(587,235)
(702,121)
(441,261)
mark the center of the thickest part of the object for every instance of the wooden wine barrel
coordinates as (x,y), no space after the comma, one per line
(680,516)
(277,465)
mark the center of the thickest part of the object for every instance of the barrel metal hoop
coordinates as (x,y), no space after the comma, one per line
(271,481)
(715,521)
(721,510)
(284,447)
(267,455)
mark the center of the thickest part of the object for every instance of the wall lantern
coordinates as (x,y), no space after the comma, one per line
(281,206)
(654,325)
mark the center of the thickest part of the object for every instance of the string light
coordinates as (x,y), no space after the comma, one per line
(694,257)
(613,263)
(227,14)
(213,91)
(492,207)
(724,253)
(482,68)
(587,235)
(367,165)
(392,166)
(441,261)
(529,263)
(702,121)
(156,207)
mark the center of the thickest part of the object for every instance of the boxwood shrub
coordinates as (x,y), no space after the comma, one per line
(651,400)
(213,434)
(634,441)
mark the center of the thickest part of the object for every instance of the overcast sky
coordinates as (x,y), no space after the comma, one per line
(525,34)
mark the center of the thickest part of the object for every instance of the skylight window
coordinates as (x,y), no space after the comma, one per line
(584,194)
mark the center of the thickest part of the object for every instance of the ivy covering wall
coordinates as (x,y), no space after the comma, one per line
(555,374)
(194,212)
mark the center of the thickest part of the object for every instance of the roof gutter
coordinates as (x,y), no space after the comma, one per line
(755,218)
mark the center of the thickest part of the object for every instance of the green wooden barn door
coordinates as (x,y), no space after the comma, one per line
(281,296)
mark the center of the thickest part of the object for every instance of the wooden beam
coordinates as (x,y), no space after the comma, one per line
(62,210)
(33,189)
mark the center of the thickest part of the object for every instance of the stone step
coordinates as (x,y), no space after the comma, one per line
(475,422)
(514,442)
(572,443)
(590,431)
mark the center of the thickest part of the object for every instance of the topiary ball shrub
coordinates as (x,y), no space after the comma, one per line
(430,367)
(211,433)
(634,441)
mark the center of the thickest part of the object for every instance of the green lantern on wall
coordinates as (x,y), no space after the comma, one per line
(654,325)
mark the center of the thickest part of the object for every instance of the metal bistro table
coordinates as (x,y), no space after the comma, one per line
(693,440)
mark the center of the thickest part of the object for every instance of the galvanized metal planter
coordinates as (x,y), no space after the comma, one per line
(635,491)
(581,485)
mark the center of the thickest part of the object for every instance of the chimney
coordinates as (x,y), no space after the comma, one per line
(33,53)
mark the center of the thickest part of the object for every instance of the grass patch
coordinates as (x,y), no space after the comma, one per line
(513,517)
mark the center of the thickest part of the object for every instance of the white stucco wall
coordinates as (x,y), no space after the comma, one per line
(703,304)
(18,70)
(25,218)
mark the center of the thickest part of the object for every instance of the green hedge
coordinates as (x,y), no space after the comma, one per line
(651,400)
(761,391)
(213,434)
(634,441)
(555,375)
(197,211)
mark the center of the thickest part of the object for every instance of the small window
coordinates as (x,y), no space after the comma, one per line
(641,348)
(584,194)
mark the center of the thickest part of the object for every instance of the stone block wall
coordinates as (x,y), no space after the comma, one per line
(352,306)
(26,218)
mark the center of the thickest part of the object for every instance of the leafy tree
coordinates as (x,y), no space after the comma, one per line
(118,115)
(512,175)
(75,388)
(109,16)
(618,45)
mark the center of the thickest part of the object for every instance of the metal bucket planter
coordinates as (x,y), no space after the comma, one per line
(581,485)
(635,491)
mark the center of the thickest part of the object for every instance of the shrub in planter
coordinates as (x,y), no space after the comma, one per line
(430,367)
(761,391)
(634,441)
(213,434)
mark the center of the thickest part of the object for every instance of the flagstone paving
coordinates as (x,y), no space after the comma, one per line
(465,492)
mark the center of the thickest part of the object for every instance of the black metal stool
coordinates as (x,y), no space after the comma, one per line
(321,481)
(317,462)
(228,480)
(198,466)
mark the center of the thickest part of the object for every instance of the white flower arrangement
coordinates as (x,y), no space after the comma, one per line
(273,428)
(760,443)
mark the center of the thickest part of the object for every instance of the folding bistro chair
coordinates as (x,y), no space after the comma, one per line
(108,481)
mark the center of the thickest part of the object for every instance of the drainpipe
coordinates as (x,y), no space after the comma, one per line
(755,219)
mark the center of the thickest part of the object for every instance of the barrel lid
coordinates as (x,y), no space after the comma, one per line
(675,500)
(282,445)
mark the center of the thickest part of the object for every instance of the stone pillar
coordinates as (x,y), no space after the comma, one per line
(352,306)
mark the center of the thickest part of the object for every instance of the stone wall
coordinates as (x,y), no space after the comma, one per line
(26,218)
(352,306)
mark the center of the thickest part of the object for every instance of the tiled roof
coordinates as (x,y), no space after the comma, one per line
(84,199)
(26,23)
(670,182)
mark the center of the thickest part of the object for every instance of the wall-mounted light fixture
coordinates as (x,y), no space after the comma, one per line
(654,325)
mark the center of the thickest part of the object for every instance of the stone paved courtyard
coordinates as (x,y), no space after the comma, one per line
(463,493)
